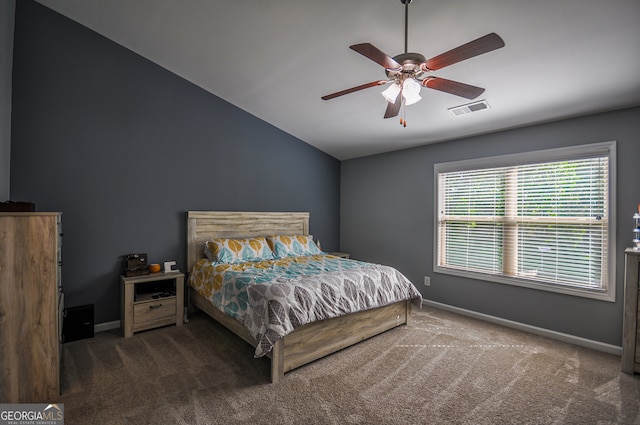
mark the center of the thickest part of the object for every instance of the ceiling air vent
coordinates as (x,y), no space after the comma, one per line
(469,107)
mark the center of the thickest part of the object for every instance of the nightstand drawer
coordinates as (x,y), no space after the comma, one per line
(150,314)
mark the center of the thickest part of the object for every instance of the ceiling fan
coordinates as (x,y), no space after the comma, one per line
(409,72)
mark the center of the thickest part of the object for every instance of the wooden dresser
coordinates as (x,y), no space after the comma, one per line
(630,329)
(30,306)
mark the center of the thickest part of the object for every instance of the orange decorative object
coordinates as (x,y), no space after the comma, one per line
(154,268)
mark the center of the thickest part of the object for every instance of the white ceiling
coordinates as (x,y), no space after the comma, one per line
(276,58)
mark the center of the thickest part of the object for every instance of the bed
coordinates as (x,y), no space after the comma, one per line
(307,341)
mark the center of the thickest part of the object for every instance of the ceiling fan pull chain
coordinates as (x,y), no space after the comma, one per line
(404,112)
(403,121)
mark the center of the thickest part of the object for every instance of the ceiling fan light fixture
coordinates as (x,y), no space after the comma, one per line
(391,93)
(406,71)
(411,91)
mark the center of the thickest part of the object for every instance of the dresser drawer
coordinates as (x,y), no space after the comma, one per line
(151,314)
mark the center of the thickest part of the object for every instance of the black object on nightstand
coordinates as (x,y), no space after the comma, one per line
(77,323)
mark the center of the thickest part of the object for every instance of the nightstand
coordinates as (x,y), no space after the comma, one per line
(151,301)
(340,254)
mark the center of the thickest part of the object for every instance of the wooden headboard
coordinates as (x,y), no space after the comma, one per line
(205,225)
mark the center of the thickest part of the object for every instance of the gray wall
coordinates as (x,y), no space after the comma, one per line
(7,8)
(387,216)
(123,148)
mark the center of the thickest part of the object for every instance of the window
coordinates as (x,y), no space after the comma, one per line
(541,219)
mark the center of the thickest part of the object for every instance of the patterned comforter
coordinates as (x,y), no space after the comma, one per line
(273,297)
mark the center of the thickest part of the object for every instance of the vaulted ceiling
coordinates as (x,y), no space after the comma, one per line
(276,58)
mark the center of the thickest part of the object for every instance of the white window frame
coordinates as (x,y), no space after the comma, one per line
(549,155)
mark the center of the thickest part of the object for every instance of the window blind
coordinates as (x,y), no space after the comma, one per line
(545,222)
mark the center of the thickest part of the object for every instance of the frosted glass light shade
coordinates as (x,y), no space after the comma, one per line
(391,93)
(411,91)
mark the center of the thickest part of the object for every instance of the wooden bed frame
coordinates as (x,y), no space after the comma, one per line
(311,341)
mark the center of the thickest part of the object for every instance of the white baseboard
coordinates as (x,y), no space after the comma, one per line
(572,339)
(106,326)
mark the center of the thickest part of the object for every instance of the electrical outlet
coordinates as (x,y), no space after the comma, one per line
(427,281)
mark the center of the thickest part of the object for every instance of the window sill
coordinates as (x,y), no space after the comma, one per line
(597,294)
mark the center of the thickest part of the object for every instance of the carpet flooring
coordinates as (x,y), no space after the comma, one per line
(441,369)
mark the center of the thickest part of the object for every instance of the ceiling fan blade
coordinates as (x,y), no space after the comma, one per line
(354,89)
(453,87)
(378,56)
(394,108)
(473,48)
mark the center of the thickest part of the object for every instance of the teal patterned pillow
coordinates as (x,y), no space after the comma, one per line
(238,250)
(293,245)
